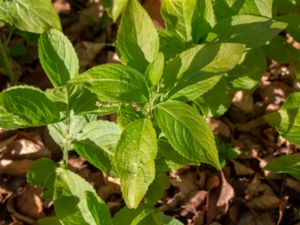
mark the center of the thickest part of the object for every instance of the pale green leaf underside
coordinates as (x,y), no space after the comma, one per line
(71,200)
(286,164)
(287,119)
(134,160)
(58,57)
(187,132)
(34,16)
(137,41)
(29,106)
(253,31)
(113,82)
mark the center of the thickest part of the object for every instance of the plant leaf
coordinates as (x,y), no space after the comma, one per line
(253,31)
(27,15)
(293,22)
(71,204)
(137,41)
(286,164)
(157,188)
(29,107)
(287,119)
(49,220)
(187,132)
(155,70)
(113,82)
(58,57)
(97,143)
(128,114)
(134,159)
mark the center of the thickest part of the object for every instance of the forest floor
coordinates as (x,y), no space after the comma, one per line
(243,193)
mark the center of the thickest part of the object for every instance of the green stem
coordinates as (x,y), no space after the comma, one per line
(66,146)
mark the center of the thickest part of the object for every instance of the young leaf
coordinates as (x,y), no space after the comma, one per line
(134,159)
(58,57)
(216,58)
(137,41)
(27,15)
(253,31)
(252,7)
(286,164)
(187,132)
(71,201)
(287,119)
(155,70)
(97,142)
(29,106)
(113,82)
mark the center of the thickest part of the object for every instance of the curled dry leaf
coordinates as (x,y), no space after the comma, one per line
(192,205)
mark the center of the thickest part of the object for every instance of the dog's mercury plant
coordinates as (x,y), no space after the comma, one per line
(208,50)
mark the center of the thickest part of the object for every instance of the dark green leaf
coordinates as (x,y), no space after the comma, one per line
(49,220)
(58,57)
(157,188)
(293,22)
(128,114)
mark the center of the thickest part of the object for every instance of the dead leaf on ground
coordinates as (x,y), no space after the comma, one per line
(15,167)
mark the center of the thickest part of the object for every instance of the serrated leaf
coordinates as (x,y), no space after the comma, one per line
(97,143)
(134,160)
(137,41)
(287,119)
(71,203)
(253,31)
(286,164)
(128,114)
(252,7)
(113,82)
(155,70)
(246,75)
(29,107)
(216,58)
(27,15)
(58,57)
(216,101)
(187,132)
(281,51)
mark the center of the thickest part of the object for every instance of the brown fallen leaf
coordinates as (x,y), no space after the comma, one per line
(243,101)
(15,167)
(242,170)
(191,205)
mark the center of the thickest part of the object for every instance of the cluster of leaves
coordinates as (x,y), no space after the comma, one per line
(208,50)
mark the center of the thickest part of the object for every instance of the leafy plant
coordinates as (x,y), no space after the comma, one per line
(207,49)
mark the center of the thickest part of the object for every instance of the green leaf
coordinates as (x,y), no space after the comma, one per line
(187,132)
(246,75)
(281,51)
(155,70)
(169,159)
(42,172)
(29,107)
(10,121)
(97,143)
(293,22)
(286,164)
(32,16)
(98,209)
(58,57)
(252,7)
(113,82)
(158,218)
(253,31)
(137,41)
(216,101)
(128,114)
(132,216)
(216,58)
(71,204)
(178,16)
(49,220)
(64,132)
(288,6)
(157,188)
(287,119)
(134,159)
(115,7)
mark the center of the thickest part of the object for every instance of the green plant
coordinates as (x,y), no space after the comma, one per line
(208,49)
